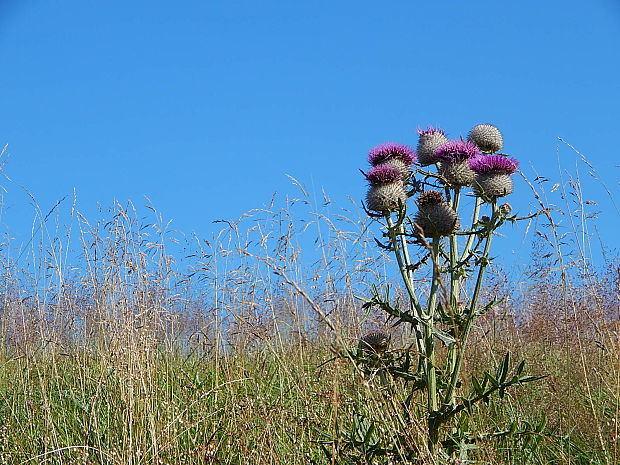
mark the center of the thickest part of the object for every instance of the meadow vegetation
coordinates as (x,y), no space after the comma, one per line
(125,342)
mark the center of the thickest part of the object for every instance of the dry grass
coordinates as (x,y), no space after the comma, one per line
(122,352)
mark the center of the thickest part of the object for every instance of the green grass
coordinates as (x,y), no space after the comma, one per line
(269,406)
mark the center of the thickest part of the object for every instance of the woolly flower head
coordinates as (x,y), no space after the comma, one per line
(390,150)
(456,150)
(430,139)
(383,174)
(493,164)
(487,137)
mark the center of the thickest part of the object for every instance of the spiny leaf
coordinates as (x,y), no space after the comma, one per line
(502,372)
(476,385)
(444,337)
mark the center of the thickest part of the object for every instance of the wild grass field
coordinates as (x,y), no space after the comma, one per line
(125,342)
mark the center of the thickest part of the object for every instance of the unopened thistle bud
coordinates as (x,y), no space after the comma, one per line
(453,156)
(386,192)
(505,209)
(375,341)
(429,140)
(493,175)
(487,137)
(435,217)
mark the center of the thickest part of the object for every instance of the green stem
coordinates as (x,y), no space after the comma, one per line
(470,239)
(454,286)
(454,279)
(462,340)
(431,376)
(402,257)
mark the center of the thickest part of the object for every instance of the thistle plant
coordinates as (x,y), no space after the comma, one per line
(443,285)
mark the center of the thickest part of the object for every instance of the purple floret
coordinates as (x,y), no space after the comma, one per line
(384,152)
(383,174)
(456,150)
(430,130)
(497,164)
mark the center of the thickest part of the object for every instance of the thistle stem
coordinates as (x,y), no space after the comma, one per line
(431,377)
(474,220)
(454,285)
(454,245)
(470,316)
(399,244)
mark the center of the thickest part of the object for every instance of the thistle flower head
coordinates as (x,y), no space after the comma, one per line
(430,130)
(430,139)
(456,150)
(493,164)
(375,341)
(429,198)
(436,220)
(487,137)
(383,152)
(492,185)
(383,174)
(457,173)
(386,197)
(399,165)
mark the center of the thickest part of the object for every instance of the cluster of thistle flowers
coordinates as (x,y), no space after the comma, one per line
(473,163)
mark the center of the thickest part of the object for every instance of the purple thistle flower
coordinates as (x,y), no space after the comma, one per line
(493,164)
(456,150)
(382,153)
(430,130)
(383,174)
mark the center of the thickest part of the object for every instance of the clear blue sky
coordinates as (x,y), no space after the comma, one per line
(203,106)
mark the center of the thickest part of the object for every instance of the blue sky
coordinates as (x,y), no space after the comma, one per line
(205,106)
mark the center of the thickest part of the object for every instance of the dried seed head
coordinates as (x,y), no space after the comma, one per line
(384,152)
(435,217)
(437,220)
(429,140)
(386,197)
(375,341)
(428,198)
(487,137)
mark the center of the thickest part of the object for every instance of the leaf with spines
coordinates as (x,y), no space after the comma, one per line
(478,389)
